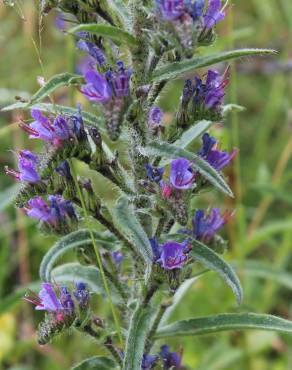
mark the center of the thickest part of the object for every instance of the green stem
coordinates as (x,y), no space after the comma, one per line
(150,339)
(98,257)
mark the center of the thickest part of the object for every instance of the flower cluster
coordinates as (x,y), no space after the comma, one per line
(190,21)
(111,89)
(203,99)
(57,215)
(148,248)
(62,307)
(55,131)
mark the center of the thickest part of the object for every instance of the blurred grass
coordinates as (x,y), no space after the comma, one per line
(261,231)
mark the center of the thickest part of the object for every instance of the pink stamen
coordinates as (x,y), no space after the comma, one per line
(12,173)
(25,127)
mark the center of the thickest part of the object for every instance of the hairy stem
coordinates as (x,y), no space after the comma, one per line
(98,257)
(150,339)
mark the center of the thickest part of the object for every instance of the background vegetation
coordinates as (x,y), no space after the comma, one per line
(262,229)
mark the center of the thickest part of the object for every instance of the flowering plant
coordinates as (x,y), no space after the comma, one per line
(153,238)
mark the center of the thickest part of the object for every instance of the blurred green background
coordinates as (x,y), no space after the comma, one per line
(261,178)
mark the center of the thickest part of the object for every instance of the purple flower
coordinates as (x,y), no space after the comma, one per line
(210,95)
(82,295)
(181,175)
(214,14)
(170,10)
(27,163)
(66,300)
(64,170)
(120,80)
(77,125)
(215,85)
(171,255)
(205,226)
(208,144)
(37,208)
(94,51)
(42,128)
(97,88)
(148,361)
(154,174)
(216,158)
(46,300)
(196,9)
(85,64)
(60,21)
(117,257)
(155,117)
(55,213)
(171,360)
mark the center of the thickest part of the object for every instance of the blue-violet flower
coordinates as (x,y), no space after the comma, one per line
(205,226)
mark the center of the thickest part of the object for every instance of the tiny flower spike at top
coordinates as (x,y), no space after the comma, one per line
(139,254)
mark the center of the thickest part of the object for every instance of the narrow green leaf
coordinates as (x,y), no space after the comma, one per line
(224,322)
(262,270)
(172,151)
(74,271)
(63,79)
(125,218)
(95,363)
(178,69)
(80,238)
(193,133)
(121,11)
(211,260)
(114,33)
(139,327)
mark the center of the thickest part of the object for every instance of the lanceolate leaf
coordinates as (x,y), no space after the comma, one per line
(119,11)
(193,133)
(70,273)
(136,338)
(172,151)
(224,322)
(178,69)
(80,238)
(210,259)
(128,223)
(97,362)
(63,79)
(115,34)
